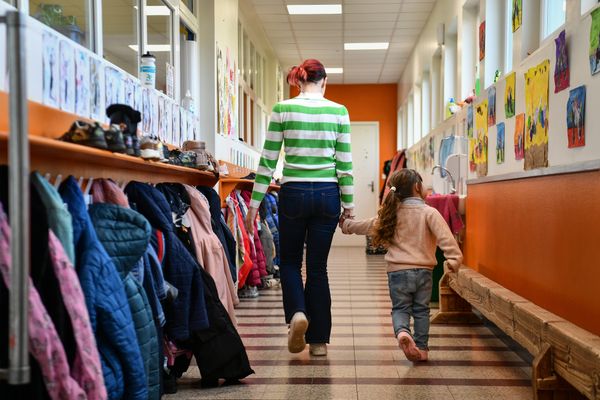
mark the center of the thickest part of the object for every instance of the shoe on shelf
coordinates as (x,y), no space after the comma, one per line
(408,346)
(298,327)
(127,119)
(132,144)
(86,134)
(114,139)
(318,349)
(151,148)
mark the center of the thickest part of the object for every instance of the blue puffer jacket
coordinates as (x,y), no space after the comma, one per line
(269,212)
(122,363)
(125,235)
(187,313)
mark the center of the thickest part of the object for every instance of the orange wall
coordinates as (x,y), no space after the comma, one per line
(370,103)
(539,237)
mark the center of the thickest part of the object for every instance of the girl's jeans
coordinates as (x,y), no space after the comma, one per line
(410,291)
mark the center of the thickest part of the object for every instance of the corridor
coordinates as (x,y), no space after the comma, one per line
(364,361)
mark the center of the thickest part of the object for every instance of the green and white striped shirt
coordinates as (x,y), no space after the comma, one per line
(316,136)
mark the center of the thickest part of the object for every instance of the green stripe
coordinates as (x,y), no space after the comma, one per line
(343,147)
(343,165)
(311,126)
(265,162)
(344,128)
(306,173)
(271,145)
(258,196)
(265,180)
(347,198)
(275,126)
(310,160)
(346,181)
(310,143)
(296,108)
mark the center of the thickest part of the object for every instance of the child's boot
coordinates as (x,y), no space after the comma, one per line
(408,346)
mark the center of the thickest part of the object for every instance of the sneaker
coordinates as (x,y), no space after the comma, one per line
(408,346)
(318,349)
(132,144)
(424,355)
(246,293)
(151,148)
(127,118)
(254,292)
(298,327)
(114,139)
(86,134)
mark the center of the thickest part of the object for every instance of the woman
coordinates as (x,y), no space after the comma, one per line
(317,183)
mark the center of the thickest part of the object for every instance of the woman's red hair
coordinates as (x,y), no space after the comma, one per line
(309,71)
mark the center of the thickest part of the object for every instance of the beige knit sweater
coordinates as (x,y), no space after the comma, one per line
(420,228)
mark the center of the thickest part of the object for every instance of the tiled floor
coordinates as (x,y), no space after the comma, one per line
(364,361)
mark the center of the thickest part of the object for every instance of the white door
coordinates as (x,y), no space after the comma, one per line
(365,160)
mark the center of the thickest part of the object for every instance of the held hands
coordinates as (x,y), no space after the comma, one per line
(250,219)
(348,213)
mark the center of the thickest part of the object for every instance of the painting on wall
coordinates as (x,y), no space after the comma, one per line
(67,76)
(500,144)
(561,69)
(491,118)
(82,83)
(595,42)
(478,148)
(520,137)
(227,93)
(470,121)
(536,115)
(50,62)
(482,41)
(517,14)
(96,89)
(576,117)
(509,95)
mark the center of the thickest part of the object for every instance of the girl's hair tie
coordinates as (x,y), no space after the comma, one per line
(392,188)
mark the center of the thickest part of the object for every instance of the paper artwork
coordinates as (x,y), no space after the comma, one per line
(595,42)
(561,69)
(51,75)
(517,14)
(183,126)
(114,84)
(536,115)
(482,41)
(129,92)
(500,143)
(519,137)
(168,117)
(67,76)
(478,146)
(161,118)
(155,114)
(227,93)
(576,117)
(175,125)
(509,95)
(96,89)
(82,83)
(146,112)
(491,119)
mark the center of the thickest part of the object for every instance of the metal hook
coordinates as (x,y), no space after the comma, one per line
(89,186)
(57,181)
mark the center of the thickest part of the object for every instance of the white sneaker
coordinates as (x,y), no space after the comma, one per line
(298,327)
(318,349)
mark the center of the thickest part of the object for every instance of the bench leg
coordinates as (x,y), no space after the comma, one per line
(546,384)
(453,308)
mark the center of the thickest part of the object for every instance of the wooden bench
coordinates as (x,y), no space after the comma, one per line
(567,357)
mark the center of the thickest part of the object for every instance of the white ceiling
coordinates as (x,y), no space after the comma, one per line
(298,37)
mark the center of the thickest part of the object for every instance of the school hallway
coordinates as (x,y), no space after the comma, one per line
(364,361)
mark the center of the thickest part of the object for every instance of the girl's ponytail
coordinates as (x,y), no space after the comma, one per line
(309,71)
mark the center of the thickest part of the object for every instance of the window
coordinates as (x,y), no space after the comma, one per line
(67,17)
(159,18)
(554,14)
(410,119)
(587,5)
(508,38)
(469,48)
(417,114)
(120,34)
(400,129)
(189,4)
(437,100)
(189,63)
(425,104)
(449,80)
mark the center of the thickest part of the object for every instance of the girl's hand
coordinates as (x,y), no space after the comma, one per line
(250,219)
(342,220)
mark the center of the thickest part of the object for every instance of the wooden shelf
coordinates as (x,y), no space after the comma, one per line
(228,185)
(57,157)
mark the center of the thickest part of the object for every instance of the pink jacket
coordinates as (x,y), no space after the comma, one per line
(260,253)
(209,250)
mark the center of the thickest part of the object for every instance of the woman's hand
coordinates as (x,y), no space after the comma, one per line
(250,219)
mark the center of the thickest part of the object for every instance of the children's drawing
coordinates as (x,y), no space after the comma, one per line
(227,92)
(491,118)
(168,117)
(595,42)
(520,137)
(161,118)
(561,69)
(517,14)
(146,112)
(130,92)
(114,86)
(478,146)
(176,125)
(576,117)
(67,76)
(482,41)
(509,95)
(470,121)
(182,126)
(536,113)
(96,89)
(82,83)
(500,143)
(154,111)
(51,76)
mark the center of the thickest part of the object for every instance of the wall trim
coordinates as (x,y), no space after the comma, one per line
(582,166)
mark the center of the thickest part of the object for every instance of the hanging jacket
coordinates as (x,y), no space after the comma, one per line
(269,212)
(253,278)
(220,227)
(125,234)
(209,251)
(260,253)
(266,239)
(107,191)
(44,343)
(236,223)
(187,312)
(110,316)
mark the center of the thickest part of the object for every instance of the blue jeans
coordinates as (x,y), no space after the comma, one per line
(410,291)
(308,212)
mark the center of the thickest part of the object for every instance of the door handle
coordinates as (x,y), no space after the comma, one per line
(372,186)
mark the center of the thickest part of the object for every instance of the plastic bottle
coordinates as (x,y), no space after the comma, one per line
(148,71)
(188,103)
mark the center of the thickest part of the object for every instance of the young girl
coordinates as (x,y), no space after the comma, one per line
(410,230)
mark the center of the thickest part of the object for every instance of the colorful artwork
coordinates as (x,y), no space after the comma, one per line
(470,121)
(168,117)
(227,93)
(161,118)
(482,41)
(576,117)
(154,107)
(520,137)
(595,42)
(51,75)
(175,125)
(96,89)
(500,144)
(517,14)
(561,69)
(536,114)
(478,146)
(113,86)
(491,118)
(67,76)
(509,95)
(129,92)
(82,83)
(146,111)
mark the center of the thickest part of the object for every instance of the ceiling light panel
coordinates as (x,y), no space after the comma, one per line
(366,46)
(334,70)
(314,9)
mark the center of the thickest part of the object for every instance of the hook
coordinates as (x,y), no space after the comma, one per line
(57,181)
(47,176)
(80,182)
(89,186)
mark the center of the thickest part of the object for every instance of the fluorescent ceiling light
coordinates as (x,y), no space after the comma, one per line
(152,48)
(156,10)
(366,46)
(334,70)
(312,9)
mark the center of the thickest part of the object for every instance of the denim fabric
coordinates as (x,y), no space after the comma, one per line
(308,212)
(410,291)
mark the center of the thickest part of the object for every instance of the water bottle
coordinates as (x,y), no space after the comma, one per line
(148,71)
